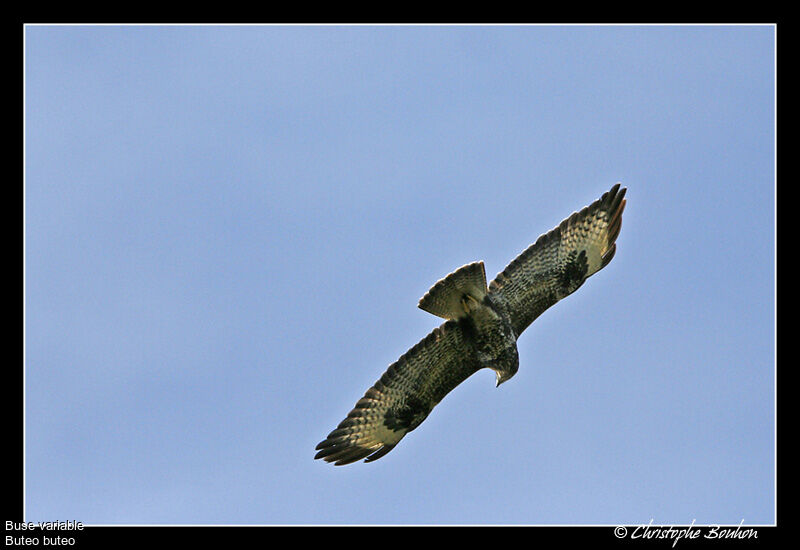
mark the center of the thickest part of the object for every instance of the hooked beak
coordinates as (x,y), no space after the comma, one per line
(502,376)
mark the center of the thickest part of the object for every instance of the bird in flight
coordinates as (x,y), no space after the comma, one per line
(481,329)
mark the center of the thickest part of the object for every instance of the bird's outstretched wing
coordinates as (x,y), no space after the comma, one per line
(402,398)
(561,260)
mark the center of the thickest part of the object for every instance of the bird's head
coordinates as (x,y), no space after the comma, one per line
(506,364)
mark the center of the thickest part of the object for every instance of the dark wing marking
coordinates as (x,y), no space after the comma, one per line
(560,261)
(403,397)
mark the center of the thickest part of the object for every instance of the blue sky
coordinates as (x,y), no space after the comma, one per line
(227,230)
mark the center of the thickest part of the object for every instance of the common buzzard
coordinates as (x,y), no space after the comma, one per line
(481,329)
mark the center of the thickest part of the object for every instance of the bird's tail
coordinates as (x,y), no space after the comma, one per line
(449,298)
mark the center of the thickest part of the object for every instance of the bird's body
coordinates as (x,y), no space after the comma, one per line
(481,329)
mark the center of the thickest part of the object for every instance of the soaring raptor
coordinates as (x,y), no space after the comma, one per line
(482,327)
